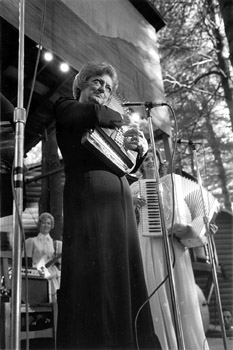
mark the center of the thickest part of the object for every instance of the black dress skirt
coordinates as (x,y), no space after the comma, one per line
(102,279)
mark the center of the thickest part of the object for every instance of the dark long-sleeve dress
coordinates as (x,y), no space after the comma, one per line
(102,279)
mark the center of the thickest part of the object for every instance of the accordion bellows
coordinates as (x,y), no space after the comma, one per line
(184,216)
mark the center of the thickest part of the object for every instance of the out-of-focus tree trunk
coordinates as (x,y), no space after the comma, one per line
(224,63)
(215,145)
(226,7)
(51,191)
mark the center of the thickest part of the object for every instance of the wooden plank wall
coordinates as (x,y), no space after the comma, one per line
(224,245)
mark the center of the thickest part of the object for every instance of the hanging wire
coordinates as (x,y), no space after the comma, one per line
(38,56)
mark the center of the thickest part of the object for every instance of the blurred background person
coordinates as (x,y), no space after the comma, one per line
(227,317)
(44,250)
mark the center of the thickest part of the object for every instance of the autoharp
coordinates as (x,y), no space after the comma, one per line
(107,145)
(184,216)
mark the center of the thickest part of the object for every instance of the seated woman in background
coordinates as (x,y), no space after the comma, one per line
(46,254)
(154,263)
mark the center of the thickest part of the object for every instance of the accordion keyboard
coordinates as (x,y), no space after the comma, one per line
(184,216)
(150,214)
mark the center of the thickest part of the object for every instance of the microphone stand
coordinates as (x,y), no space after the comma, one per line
(19,119)
(176,310)
(211,250)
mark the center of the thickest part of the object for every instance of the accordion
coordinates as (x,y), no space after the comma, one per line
(107,145)
(184,216)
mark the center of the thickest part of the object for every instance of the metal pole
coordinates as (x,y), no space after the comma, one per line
(212,254)
(19,119)
(176,310)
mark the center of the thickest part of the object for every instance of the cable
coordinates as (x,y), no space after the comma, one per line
(142,306)
(38,57)
(172,180)
(171,232)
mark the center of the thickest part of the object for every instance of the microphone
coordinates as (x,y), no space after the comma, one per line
(146,104)
(189,142)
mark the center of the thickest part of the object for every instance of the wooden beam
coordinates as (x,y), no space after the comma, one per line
(150,13)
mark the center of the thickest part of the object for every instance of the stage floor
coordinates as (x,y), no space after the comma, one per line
(214,344)
(217,343)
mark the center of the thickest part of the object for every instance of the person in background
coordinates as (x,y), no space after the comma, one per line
(102,279)
(44,251)
(154,262)
(227,317)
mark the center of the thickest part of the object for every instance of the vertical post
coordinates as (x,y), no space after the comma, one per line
(176,310)
(19,119)
(211,252)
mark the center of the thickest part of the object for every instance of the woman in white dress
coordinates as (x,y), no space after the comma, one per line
(42,249)
(154,263)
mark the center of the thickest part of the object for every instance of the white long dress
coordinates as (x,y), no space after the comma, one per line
(41,250)
(154,263)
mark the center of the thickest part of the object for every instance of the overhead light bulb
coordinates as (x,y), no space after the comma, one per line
(64,67)
(48,56)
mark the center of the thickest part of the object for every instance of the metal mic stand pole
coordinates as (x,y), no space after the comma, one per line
(176,310)
(19,119)
(211,252)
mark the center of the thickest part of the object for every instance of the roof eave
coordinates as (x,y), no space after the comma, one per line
(150,13)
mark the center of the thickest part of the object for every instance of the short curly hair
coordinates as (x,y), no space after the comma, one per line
(89,70)
(43,217)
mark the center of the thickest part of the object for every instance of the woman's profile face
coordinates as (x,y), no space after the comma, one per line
(98,90)
(45,226)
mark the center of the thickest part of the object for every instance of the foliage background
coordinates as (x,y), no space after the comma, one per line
(197,75)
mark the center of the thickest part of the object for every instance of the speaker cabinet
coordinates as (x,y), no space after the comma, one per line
(38,290)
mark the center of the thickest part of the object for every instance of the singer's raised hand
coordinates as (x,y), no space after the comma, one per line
(135,140)
(126,119)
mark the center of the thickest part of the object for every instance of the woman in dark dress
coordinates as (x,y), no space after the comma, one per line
(102,279)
